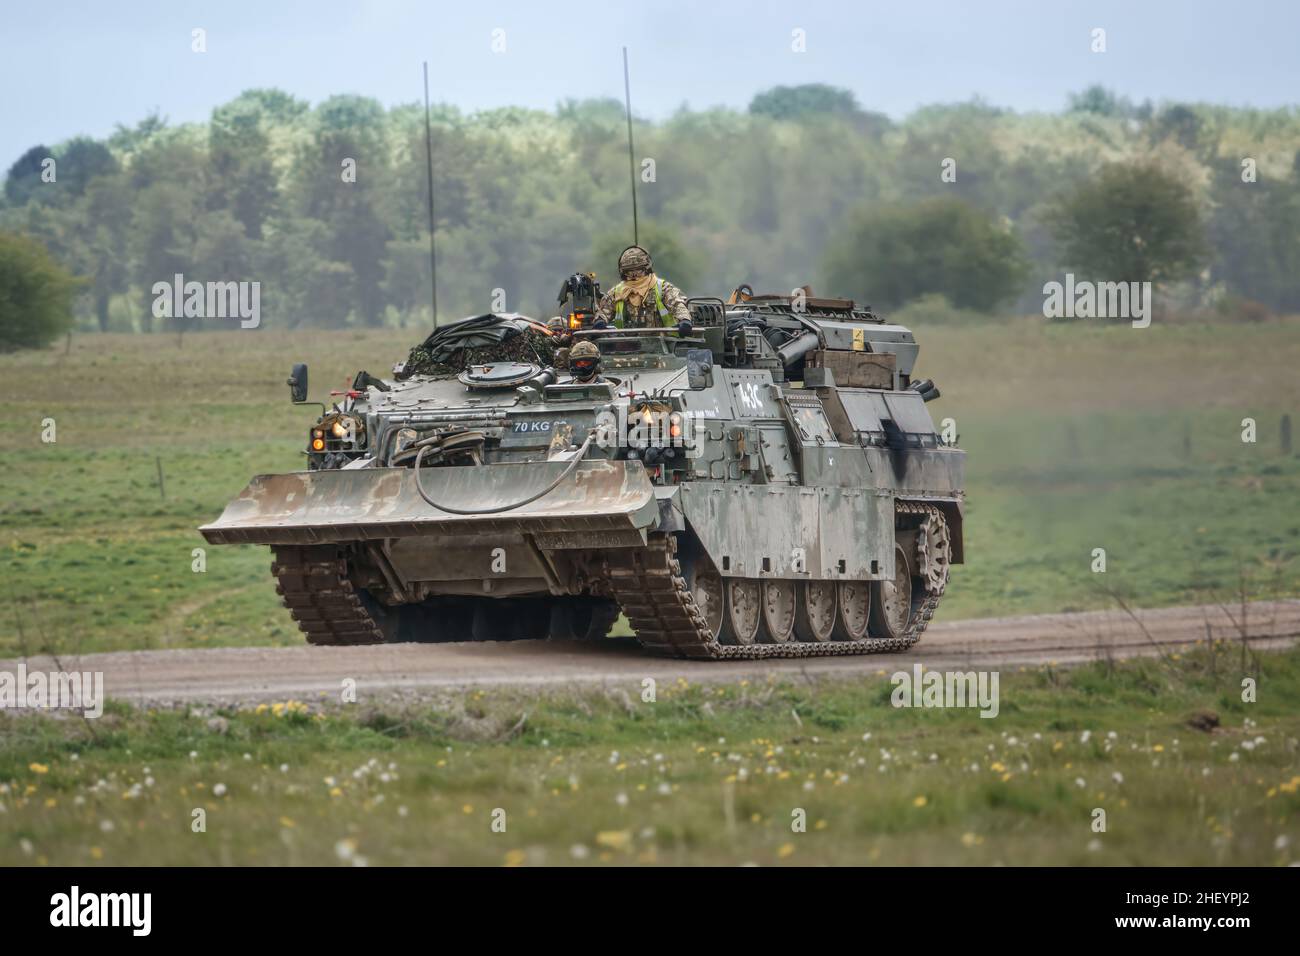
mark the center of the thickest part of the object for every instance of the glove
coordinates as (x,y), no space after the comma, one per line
(600,324)
(684,327)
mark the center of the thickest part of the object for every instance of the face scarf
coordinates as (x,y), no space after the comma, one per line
(634,291)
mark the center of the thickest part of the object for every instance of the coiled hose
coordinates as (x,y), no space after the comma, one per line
(577,459)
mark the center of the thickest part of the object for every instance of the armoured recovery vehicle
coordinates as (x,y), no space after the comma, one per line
(766,483)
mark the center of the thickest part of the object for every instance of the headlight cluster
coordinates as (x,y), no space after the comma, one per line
(340,430)
(656,417)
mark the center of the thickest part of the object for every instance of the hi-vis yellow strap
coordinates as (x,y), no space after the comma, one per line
(664,315)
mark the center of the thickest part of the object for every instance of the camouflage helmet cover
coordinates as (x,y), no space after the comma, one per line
(556,323)
(584,361)
(634,257)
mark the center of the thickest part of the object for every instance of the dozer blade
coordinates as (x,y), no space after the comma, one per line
(349,505)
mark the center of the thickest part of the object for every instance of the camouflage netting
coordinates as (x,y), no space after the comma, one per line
(487,338)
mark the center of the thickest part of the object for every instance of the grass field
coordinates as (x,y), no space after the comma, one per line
(713,775)
(1080,437)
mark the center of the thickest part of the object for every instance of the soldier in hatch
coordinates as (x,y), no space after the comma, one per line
(563,339)
(559,331)
(642,300)
(584,363)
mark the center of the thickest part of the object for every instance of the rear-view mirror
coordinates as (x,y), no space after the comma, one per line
(298,383)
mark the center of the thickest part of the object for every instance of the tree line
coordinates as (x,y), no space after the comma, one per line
(325,206)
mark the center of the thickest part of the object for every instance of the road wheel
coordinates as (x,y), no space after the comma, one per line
(582,618)
(933,553)
(854,615)
(530,618)
(744,615)
(437,620)
(891,600)
(455,619)
(779,608)
(709,594)
(815,618)
(493,620)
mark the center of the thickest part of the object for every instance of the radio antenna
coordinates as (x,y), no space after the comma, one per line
(631,154)
(428,160)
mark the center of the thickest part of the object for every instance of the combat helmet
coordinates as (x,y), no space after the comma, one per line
(634,257)
(584,361)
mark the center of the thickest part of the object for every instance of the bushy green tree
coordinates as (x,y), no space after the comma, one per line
(36,295)
(127,139)
(243,171)
(80,161)
(1101,101)
(1132,222)
(91,236)
(808,99)
(340,179)
(1180,123)
(893,253)
(1254,234)
(23,181)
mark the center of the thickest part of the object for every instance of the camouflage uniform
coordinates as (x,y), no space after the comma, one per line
(663,305)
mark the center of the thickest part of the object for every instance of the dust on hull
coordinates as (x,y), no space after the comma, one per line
(372,503)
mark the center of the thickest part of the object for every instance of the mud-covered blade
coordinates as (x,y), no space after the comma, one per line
(310,506)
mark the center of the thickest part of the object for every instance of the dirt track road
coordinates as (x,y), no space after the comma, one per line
(237,675)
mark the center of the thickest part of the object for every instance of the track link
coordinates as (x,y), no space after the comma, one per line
(648,583)
(329,609)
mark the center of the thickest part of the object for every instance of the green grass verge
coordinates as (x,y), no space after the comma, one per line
(702,775)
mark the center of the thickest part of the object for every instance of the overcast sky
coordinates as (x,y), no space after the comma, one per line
(70,67)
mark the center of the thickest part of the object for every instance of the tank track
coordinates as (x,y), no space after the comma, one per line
(314,584)
(648,583)
(327,606)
